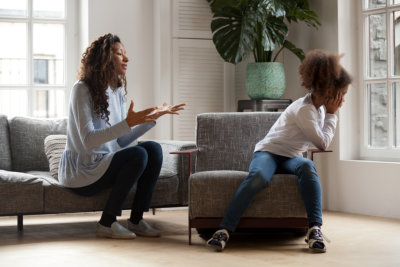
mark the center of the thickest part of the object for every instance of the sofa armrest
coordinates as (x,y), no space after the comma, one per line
(311,152)
(178,163)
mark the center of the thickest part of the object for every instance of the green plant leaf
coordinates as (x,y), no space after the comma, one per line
(233,33)
(297,51)
(298,10)
(274,33)
(275,8)
(259,26)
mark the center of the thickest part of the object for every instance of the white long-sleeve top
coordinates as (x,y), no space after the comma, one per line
(300,125)
(91,142)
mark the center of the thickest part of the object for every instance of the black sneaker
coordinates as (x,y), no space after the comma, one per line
(315,239)
(218,240)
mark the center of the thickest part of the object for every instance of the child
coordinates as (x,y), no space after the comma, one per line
(309,120)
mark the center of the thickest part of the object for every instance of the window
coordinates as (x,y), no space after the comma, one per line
(381,79)
(37,37)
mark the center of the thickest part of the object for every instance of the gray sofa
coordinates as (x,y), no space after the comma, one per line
(225,145)
(26,186)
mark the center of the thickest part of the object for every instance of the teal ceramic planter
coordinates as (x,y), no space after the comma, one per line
(265,80)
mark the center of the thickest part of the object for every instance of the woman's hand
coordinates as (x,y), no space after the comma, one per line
(135,118)
(165,109)
(332,104)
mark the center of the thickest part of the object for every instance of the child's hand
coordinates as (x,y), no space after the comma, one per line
(332,104)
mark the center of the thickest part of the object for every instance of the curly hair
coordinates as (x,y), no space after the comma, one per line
(98,72)
(321,73)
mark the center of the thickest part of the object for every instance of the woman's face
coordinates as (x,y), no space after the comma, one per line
(120,58)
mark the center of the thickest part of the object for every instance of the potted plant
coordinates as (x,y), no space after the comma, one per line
(260,27)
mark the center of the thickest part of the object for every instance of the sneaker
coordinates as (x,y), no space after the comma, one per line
(218,240)
(315,239)
(143,228)
(115,231)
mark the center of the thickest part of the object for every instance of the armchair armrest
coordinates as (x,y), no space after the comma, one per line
(312,151)
(187,152)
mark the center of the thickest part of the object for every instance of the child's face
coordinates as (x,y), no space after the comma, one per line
(340,93)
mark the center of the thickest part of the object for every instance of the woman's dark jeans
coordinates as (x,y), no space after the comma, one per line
(139,164)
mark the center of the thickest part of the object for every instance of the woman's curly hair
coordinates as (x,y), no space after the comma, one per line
(321,72)
(97,70)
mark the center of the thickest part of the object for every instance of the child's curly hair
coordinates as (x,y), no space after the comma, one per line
(321,72)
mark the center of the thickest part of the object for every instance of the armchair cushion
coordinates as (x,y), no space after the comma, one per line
(281,198)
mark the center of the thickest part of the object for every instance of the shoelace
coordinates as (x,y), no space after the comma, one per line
(220,236)
(318,235)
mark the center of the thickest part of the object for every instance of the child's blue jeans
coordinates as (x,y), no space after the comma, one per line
(262,167)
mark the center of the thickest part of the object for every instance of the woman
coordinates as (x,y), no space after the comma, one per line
(98,127)
(309,120)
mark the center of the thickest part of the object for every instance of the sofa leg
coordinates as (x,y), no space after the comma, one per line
(20,222)
(154,211)
(190,233)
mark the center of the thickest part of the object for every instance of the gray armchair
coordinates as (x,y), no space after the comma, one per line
(225,144)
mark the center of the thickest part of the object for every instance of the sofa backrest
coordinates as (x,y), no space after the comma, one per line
(27,141)
(5,152)
(226,140)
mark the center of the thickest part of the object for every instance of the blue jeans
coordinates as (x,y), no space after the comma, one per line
(262,167)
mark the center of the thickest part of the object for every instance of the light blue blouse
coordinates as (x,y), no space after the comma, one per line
(91,142)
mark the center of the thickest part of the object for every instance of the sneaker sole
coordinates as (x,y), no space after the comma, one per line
(115,236)
(213,247)
(146,235)
(318,250)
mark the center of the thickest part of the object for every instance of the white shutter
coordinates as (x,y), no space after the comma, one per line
(192,19)
(198,81)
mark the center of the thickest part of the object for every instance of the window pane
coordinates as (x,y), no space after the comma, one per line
(14,102)
(48,54)
(13,8)
(377,46)
(396,2)
(378,114)
(396,45)
(396,112)
(48,103)
(13,53)
(49,8)
(375,3)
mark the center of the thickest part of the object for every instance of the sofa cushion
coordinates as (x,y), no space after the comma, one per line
(226,140)
(60,199)
(212,191)
(5,153)
(20,193)
(54,146)
(27,137)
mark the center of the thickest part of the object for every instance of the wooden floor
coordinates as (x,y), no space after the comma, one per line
(70,240)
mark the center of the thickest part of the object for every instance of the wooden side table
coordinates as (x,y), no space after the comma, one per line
(263,105)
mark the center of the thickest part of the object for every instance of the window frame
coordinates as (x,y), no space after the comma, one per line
(390,152)
(70,51)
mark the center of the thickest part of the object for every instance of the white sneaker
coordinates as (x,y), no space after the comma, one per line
(143,228)
(315,239)
(115,231)
(218,240)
